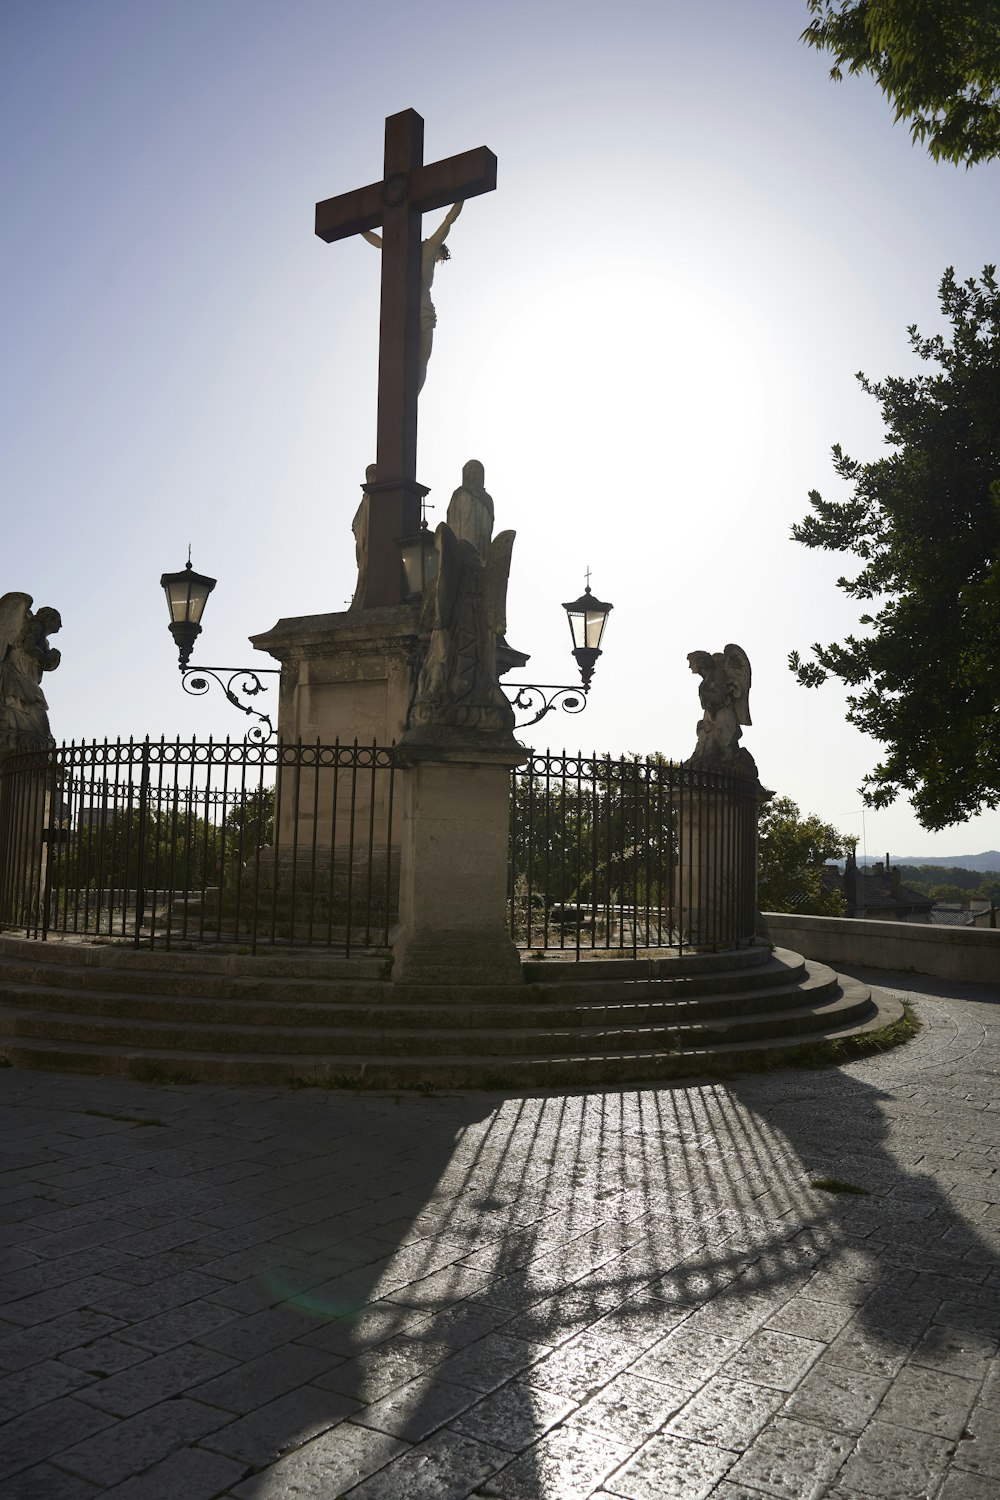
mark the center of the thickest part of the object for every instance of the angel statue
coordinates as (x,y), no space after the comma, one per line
(725,698)
(25,654)
(457,687)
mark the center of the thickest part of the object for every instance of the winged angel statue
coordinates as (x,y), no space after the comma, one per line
(458,688)
(25,654)
(725,699)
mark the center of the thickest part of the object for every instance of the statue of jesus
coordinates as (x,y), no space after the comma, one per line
(432,250)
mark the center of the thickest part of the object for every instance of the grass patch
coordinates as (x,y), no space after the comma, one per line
(837,1185)
(110,1114)
(845,1049)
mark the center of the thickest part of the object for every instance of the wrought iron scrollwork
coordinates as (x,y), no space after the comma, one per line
(540,698)
(234,681)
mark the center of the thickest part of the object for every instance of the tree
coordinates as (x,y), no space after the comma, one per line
(937,62)
(791,854)
(953,893)
(925,523)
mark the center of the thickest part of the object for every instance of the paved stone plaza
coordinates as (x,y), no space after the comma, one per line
(262,1293)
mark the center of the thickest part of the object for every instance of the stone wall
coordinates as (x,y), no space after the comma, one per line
(949,952)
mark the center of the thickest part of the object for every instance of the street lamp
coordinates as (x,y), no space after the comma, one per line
(587,619)
(420,562)
(187,594)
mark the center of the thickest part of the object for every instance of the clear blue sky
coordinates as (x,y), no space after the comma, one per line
(648,334)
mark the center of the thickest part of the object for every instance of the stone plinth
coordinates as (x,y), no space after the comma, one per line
(716,865)
(453,869)
(25,821)
(344,676)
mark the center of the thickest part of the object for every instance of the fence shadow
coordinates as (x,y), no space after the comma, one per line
(556,1242)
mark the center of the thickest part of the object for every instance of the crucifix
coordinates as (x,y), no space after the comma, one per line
(409,188)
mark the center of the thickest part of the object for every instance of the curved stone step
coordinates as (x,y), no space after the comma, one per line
(388,1006)
(461,1071)
(317,1016)
(396,1041)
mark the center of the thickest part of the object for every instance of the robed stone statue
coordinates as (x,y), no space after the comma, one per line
(470,509)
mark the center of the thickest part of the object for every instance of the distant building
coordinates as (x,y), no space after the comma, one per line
(877,893)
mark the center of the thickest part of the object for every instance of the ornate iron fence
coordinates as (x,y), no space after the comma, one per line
(164,842)
(629,854)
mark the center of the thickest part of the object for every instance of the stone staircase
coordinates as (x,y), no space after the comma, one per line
(310,1018)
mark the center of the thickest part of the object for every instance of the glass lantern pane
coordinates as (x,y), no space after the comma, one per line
(177,597)
(198,597)
(595,624)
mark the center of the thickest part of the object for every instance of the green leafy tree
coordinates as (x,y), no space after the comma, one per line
(949,893)
(593,839)
(989,890)
(925,523)
(937,61)
(792,853)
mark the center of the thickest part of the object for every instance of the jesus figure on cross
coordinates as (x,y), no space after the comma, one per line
(432,250)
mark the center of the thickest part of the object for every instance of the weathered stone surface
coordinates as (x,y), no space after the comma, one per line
(414,1410)
(686,1359)
(671,1468)
(134,1444)
(564,1462)
(836,1397)
(190,1472)
(956,1351)
(629,1406)
(774,1359)
(728,1413)
(792,1459)
(46,1430)
(330,1464)
(979,1450)
(577,1200)
(811,1319)
(515,1416)
(929,1401)
(897,1464)
(442,1468)
(264,1434)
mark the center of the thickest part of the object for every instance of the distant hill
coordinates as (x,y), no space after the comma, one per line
(988,863)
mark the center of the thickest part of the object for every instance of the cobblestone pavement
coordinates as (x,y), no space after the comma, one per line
(634,1293)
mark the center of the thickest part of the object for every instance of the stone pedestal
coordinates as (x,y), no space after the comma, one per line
(716,865)
(345,676)
(453,869)
(25,831)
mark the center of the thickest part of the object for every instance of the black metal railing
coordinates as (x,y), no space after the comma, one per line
(160,842)
(626,855)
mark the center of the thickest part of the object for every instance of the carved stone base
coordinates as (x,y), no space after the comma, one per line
(344,676)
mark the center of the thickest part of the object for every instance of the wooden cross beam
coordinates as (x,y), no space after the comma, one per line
(409,188)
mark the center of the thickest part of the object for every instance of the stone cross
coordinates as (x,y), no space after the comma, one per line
(408,189)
